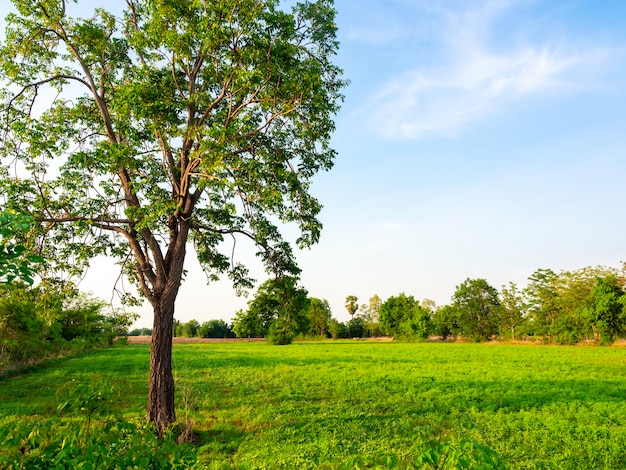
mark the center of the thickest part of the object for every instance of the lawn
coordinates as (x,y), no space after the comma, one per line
(365,404)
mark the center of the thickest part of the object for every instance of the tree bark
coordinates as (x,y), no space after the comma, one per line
(161,410)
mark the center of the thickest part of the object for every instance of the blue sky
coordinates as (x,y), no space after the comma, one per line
(478,138)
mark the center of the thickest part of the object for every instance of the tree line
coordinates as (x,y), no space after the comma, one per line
(585,305)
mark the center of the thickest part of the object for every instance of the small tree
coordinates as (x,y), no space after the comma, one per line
(175,123)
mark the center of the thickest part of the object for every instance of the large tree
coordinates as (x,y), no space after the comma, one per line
(476,305)
(278,311)
(176,122)
(403,316)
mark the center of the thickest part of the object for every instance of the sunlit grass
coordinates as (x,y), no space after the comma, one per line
(311,404)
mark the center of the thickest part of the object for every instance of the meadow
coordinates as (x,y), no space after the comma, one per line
(358,404)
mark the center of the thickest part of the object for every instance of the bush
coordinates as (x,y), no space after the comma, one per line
(52,319)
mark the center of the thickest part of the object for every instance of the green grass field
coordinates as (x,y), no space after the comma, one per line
(365,404)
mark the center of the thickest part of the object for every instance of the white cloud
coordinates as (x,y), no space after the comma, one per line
(477,77)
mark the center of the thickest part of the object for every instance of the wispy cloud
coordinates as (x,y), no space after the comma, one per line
(477,75)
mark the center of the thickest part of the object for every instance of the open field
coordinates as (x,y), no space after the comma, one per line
(344,404)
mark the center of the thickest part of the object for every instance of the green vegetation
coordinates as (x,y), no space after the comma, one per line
(15,261)
(583,306)
(50,320)
(343,405)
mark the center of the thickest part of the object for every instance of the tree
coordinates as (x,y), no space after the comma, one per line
(513,309)
(608,314)
(352,305)
(403,316)
(446,322)
(215,329)
(476,304)
(190,329)
(278,311)
(357,328)
(374,308)
(338,329)
(542,298)
(320,315)
(178,122)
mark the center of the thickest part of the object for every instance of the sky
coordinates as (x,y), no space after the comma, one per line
(478,139)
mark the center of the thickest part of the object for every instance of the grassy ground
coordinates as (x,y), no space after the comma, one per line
(349,404)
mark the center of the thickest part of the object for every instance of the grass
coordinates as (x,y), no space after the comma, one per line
(350,404)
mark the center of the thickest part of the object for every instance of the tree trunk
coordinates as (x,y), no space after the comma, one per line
(161,386)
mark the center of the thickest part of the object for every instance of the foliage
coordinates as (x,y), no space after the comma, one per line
(571,307)
(446,322)
(512,313)
(15,262)
(189,329)
(278,309)
(352,304)
(319,317)
(215,329)
(403,316)
(608,315)
(338,330)
(476,305)
(50,319)
(140,332)
(173,122)
(357,328)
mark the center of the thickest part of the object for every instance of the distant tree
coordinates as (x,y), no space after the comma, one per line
(320,315)
(215,329)
(374,315)
(190,329)
(140,332)
(476,304)
(374,308)
(357,328)
(609,313)
(278,312)
(542,298)
(352,305)
(338,330)
(513,309)
(251,323)
(446,322)
(403,316)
